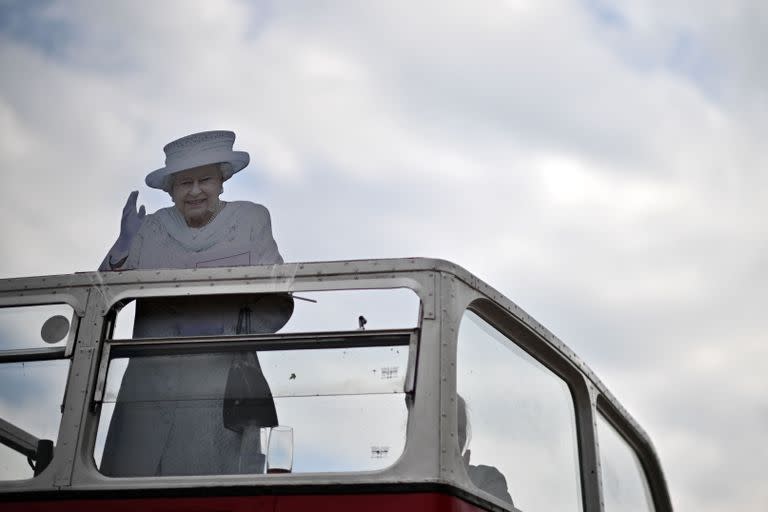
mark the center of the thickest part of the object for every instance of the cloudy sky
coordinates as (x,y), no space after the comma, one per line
(598,162)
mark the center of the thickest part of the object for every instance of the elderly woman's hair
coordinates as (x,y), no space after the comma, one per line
(225,168)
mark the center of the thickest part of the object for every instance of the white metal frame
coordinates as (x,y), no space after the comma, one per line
(429,458)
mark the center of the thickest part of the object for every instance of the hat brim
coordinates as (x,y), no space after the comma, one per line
(237,159)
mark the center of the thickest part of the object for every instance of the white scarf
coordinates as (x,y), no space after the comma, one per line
(196,239)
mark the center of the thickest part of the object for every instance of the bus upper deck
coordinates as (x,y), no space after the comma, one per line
(395,384)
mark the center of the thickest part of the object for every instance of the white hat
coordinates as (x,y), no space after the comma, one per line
(196,150)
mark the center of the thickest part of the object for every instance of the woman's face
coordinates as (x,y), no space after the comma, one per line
(195,193)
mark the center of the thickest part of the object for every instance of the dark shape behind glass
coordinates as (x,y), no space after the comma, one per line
(487,478)
(55,329)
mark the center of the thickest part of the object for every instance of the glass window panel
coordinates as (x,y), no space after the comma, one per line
(288,372)
(625,488)
(30,400)
(324,311)
(21,327)
(190,414)
(521,425)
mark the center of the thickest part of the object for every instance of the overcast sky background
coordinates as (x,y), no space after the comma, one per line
(602,165)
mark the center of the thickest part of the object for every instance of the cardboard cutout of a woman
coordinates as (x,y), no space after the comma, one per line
(188,414)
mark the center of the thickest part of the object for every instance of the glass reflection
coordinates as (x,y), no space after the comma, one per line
(30,400)
(625,488)
(338,310)
(346,407)
(20,327)
(520,422)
